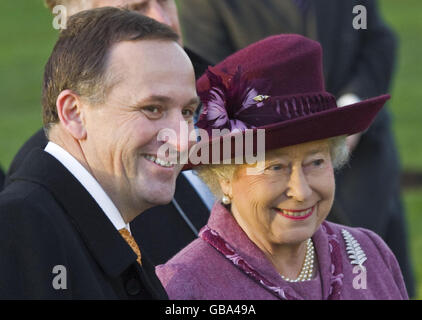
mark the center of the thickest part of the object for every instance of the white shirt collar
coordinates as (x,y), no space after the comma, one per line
(89,183)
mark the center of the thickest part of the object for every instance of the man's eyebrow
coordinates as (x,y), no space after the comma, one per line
(152,99)
(164,100)
(196,101)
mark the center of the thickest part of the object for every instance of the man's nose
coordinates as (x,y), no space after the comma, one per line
(298,186)
(157,12)
(177,131)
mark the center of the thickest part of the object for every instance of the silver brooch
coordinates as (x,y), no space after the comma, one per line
(356,255)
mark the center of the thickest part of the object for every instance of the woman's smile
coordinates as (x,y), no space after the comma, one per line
(296,214)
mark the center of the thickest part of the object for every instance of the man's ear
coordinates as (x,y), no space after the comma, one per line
(70,111)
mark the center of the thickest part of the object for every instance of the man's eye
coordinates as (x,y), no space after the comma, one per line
(188,113)
(152,111)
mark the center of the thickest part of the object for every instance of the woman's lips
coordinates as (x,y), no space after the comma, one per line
(296,214)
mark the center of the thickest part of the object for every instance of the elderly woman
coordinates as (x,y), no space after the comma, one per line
(267,237)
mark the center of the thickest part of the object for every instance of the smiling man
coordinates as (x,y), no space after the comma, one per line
(69,205)
(189,209)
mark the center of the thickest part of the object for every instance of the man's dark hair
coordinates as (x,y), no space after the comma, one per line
(79,58)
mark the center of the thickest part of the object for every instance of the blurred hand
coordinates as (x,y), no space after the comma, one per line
(346,100)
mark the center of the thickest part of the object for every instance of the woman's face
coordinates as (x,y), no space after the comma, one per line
(287,201)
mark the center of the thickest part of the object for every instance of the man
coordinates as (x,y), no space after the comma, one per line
(189,210)
(114,80)
(358,63)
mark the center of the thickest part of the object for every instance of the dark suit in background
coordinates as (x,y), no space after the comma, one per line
(360,62)
(161,231)
(48,219)
(2,178)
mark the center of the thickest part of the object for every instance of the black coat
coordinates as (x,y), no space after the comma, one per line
(48,219)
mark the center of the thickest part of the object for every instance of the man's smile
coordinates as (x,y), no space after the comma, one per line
(158,161)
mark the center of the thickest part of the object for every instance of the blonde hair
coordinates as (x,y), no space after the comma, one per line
(212,174)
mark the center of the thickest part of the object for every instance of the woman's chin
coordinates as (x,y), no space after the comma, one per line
(296,233)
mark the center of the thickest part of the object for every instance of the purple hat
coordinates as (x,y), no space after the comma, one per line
(277,84)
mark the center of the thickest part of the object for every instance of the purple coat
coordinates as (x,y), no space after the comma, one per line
(199,271)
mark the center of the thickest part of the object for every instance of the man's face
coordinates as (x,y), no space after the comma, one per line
(155,90)
(164,11)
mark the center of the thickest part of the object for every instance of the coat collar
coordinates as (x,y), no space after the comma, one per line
(97,232)
(222,221)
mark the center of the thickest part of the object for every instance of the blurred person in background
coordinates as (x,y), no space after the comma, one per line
(189,209)
(358,64)
(1,178)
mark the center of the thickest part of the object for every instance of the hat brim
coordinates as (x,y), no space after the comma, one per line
(346,120)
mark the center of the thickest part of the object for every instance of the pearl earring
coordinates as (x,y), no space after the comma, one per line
(226,199)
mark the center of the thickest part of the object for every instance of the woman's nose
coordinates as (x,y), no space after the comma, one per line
(298,186)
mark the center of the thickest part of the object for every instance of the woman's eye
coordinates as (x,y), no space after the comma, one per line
(315,164)
(318,162)
(276,167)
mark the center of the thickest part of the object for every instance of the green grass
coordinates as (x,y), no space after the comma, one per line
(404,18)
(413,204)
(27,37)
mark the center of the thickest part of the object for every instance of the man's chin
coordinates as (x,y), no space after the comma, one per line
(152,203)
(161,196)
(155,190)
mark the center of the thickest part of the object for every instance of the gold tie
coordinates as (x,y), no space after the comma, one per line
(132,243)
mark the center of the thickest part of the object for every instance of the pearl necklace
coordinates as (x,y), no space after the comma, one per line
(308,265)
